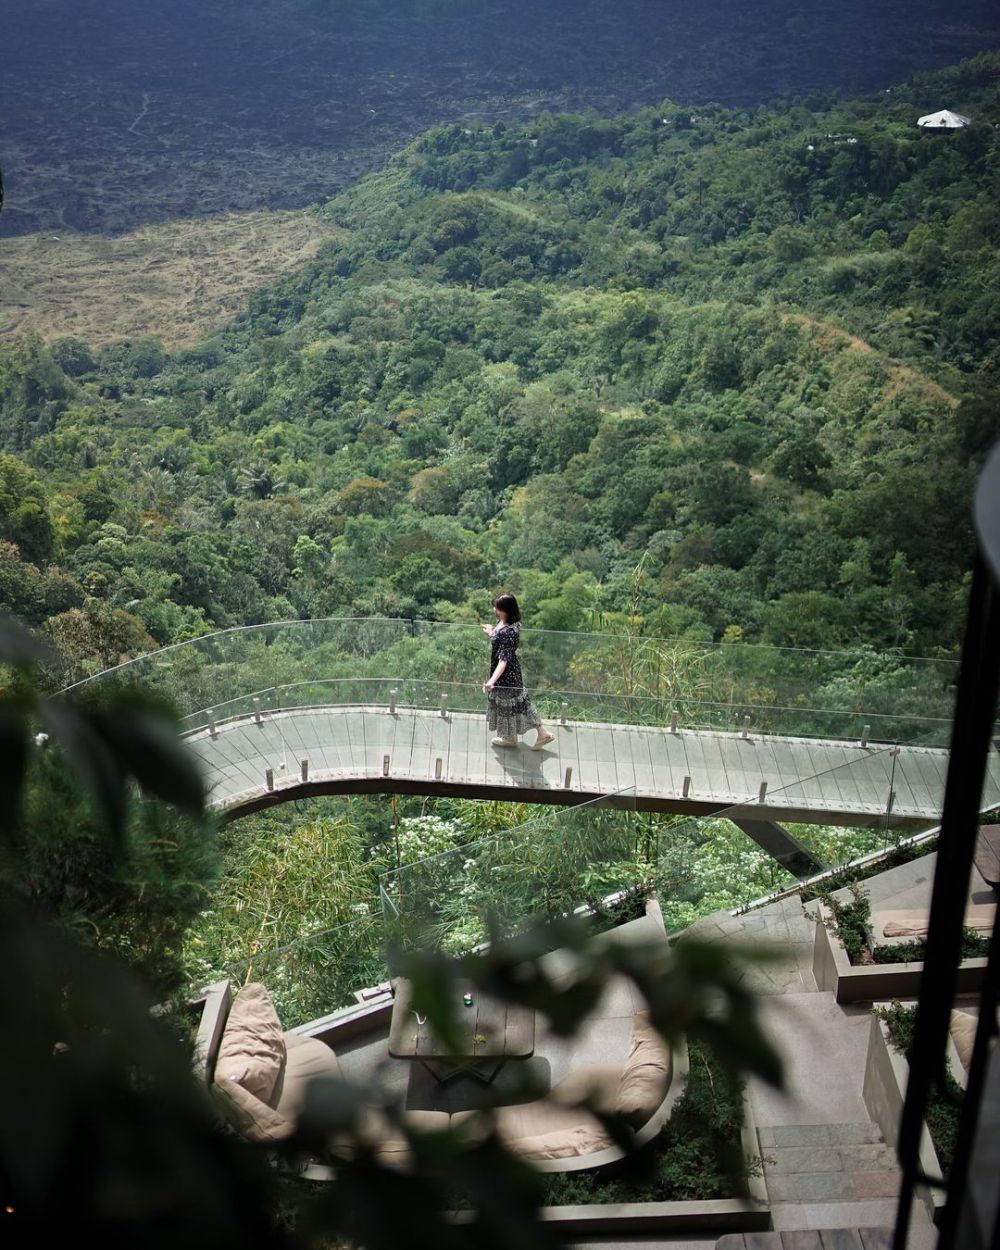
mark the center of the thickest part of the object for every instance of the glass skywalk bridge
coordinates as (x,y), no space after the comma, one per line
(368,705)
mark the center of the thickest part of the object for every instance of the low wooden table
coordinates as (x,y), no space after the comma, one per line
(493,1031)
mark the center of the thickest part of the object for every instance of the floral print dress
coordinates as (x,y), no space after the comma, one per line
(509,711)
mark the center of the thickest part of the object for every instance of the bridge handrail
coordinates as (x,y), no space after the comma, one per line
(416,627)
(679,713)
(908,695)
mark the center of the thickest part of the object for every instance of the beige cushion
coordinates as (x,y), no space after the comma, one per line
(980,916)
(386,1139)
(473,1127)
(252,1049)
(597,1084)
(537,1130)
(914,923)
(557,1128)
(530,1119)
(901,924)
(253,1118)
(963,1034)
(306,1057)
(528,1129)
(646,1075)
(569,1143)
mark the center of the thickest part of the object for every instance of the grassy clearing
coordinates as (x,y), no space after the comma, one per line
(179,281)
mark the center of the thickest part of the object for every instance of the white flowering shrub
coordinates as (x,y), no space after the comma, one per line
(714,866)
(419,837)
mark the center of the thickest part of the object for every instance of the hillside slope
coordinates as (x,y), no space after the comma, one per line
(704,372)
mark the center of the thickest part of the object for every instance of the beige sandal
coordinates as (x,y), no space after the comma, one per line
(540,743)
(503,742)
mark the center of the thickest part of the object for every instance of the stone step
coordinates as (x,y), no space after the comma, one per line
(862,1133)
(825,1163)
(867,1158)
(922,1237)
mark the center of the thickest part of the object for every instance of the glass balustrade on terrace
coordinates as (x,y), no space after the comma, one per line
(549,866)
(315,974)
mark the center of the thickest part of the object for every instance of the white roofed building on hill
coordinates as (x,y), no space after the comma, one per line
(943,120)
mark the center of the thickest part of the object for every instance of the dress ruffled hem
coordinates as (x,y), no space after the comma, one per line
(510,712)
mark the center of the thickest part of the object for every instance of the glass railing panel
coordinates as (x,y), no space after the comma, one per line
(635,679)
(546,867)
(315,975)
(720,673)
(333,692)
(747,851)
(990,801)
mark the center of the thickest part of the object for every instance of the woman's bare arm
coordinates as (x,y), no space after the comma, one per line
(497,673)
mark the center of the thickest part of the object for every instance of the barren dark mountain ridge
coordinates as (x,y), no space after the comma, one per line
(117,113)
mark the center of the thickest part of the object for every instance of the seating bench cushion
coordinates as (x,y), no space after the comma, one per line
(646,1075)
(537,1130)
(557,1127)
(385,1139)
(306,1058)
(569,1143)
(252,1047)
(253,1118)
(963,1027)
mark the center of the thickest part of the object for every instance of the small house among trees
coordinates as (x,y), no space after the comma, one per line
(944,120)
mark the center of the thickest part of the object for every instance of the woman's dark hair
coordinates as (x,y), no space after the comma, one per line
(507,603)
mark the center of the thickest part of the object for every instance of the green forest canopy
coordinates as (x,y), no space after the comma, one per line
(755,351)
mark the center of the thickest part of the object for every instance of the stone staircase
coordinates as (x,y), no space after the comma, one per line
(832,1187)
(922,1237)
(825,1163)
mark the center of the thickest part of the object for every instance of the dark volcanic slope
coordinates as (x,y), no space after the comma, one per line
(117,112)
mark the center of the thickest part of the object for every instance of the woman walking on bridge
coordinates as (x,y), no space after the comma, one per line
(509,711)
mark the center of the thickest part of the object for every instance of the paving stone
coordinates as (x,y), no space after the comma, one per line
(804,1159)
(810,1187)
(653,1241)
(873,1213)
(876,1184)
(922,1237)
(858,1134)
(765,1136)
(802,1135)
(823,1045)
(841,1239)
(791,928)
(789,1215)
(869,1158)
(791,906)
(790,973)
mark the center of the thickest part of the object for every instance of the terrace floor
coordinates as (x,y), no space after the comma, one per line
(826,1166)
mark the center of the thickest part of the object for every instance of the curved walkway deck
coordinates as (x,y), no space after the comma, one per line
(271,757)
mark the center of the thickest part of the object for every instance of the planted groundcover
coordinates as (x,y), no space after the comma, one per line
(853,922)
(698,1155)
(942,1109)
(974,946)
